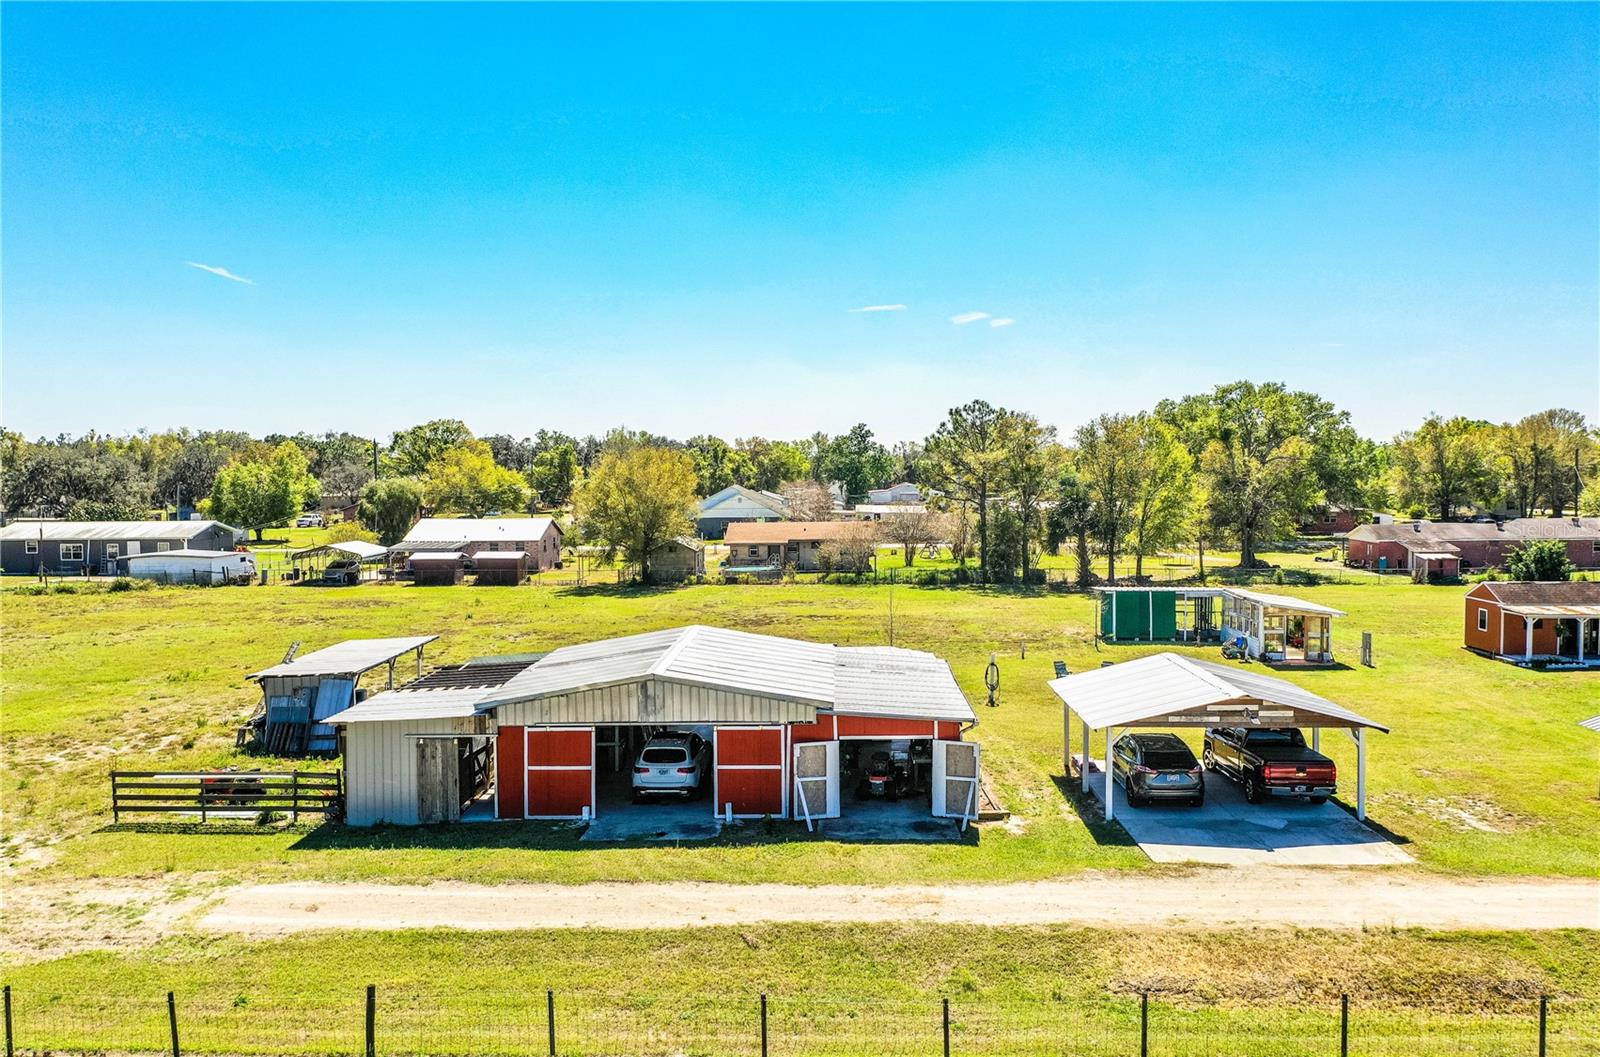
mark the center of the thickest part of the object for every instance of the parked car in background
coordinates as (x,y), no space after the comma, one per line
(1273,761)
(1157,767)
(309,521)
(672,763)
(346,572)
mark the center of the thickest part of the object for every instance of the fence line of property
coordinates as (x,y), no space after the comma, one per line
(542,1023)
(227,794)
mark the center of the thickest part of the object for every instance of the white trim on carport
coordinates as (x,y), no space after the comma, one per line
(1170,690)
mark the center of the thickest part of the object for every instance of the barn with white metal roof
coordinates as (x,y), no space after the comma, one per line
(790,723)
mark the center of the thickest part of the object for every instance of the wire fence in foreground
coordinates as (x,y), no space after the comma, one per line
(539,1022)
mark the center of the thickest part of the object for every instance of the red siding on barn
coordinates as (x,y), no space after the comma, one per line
(821,730)
(1509,624)
(749,746)
(560,772)
(751,792)
(874,727)
(561,748)
(509,770)
(560,794)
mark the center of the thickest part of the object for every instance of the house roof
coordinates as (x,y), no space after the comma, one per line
(873,680)
(350,657)
(1555,598)
(890,508)
(452,533)
(73,531)
(767,500)
(784,531)
(1167,689)
(1434,533)
(694,543)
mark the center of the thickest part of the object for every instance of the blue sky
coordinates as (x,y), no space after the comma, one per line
(543,216)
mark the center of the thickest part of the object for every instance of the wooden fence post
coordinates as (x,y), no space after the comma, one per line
(947,1028)
(1144,1024)
(294,796)
(172,1022)
(1544,1015)
(764,1026)
(372,1020)
(10,1042)
(1344,1026)
(550,1018)
(116,816)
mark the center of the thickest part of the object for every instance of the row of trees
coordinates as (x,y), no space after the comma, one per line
(1237,466)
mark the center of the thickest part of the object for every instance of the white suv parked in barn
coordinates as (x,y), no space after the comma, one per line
(672,763)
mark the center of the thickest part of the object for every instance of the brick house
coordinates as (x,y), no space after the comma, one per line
(1435,548)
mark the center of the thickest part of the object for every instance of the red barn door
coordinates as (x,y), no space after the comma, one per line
(750,771)
(560,772)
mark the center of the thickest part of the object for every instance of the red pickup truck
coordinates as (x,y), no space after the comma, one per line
(1270,762)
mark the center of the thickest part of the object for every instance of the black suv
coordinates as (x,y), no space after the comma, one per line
(1157,767)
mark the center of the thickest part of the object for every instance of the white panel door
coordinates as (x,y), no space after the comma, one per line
(955,780)
(816,780)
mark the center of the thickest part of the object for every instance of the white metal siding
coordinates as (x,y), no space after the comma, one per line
(653,701)
(380,768)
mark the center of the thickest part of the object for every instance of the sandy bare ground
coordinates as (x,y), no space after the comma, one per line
(1208,898)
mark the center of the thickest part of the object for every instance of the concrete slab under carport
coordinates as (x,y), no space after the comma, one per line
(1229,831)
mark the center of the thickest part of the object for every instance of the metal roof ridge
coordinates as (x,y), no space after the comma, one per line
(686,634)
(1205,674)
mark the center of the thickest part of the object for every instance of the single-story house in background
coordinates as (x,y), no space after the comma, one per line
(901,492)
(1434,549)
(1556,621)
(678,559)
(69,547)
(1333,519)
(736,504)
(784,543)
(879,511)
(191,566)
(1276,628)
(538,537)
(559,735)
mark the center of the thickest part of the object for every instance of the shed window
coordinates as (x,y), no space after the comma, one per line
(113,549)
(163,546)
(1483,619)
(72,552)
(30,546)
(752,552)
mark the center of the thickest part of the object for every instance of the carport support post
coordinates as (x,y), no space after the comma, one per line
(1361,773)
(1083,765)
(1110,733)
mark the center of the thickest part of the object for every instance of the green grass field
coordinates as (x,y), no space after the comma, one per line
(1486,772)
(858,990)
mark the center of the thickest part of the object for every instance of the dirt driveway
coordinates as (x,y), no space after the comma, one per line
(1202,898)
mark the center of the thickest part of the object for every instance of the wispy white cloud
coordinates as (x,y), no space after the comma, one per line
(1003,321)
(214,270)
(968,317)
(880,308)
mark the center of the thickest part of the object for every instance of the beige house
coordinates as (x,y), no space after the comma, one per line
(786,544)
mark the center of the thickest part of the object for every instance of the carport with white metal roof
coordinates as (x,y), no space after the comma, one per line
(1169,690)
